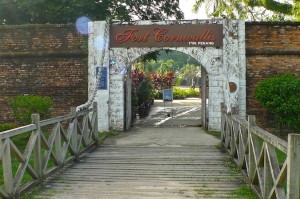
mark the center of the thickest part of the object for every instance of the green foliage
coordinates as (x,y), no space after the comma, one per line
(245,192)
(165,66)
(296,10)
(281,95)
(165,61)
(192,92)
(24,106)
(179,59)
(190,71)
(216,134)
(8,126)
(256,10)
(142,89)
(145,92)
(103,135)
(134,99)
(157,94)
(67,11)
(178,93)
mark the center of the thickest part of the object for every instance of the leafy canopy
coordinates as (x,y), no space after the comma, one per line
(256,10)
(67,11)
(190,71)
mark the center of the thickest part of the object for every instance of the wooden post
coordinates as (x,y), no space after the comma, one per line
(232,134)
(74,136)
(251,122)
(268,181)
(293,167)
(37,151)
(58,147)
(7,168)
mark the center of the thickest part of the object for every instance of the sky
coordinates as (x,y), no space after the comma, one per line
(186,7)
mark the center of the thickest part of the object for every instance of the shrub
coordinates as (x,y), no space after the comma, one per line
(8,126)
(144,92)
(24,106)
(192,92)
(178,93)
(281,95)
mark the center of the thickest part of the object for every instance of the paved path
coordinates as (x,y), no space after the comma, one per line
(182,113)
(152,162)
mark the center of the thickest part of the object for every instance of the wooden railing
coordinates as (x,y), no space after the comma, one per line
(51,144)
(271,164)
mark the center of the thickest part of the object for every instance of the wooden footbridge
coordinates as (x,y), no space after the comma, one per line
(63,156)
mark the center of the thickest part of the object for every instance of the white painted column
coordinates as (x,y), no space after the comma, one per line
(98,47)
(203,98)
(117,102)
(215,99)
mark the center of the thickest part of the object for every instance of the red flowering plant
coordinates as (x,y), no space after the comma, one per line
(160,82)
(156,80)
(137,78)
(164,81)
(168,79)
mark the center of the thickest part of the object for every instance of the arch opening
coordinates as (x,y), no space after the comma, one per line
(189,82)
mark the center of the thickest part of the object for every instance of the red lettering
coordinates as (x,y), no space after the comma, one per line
(129,35)
(161,35)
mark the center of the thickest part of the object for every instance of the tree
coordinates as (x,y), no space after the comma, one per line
(251,9)
(67,11)
(191,71)
(165,66)
(281,95)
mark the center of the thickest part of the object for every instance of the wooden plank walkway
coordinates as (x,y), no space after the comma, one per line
(130,171)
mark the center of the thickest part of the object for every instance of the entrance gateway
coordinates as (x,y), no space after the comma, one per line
(217,44)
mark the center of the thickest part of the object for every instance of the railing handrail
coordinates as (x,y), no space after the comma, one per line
(17,131)
(254,150)
(270,138)
(81,134)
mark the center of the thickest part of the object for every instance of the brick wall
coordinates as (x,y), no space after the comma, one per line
(45,60)
(271,49)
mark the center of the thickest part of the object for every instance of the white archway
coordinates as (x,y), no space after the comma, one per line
(223,65)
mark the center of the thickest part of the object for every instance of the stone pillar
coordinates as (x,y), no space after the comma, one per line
(98,59)
(117,102)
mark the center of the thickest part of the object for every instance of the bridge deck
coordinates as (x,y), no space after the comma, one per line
(124,170)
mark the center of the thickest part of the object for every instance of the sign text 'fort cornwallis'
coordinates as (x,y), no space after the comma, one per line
(166,35)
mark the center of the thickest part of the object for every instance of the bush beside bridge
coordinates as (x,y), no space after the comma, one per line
(281,95)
